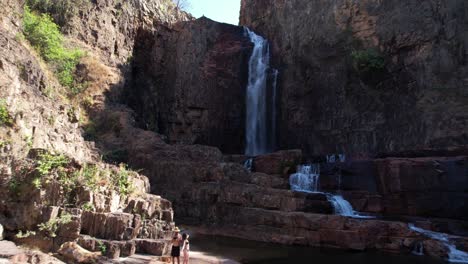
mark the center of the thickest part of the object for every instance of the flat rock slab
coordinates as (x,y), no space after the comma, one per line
(8,249)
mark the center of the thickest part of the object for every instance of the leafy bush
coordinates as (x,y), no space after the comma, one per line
(60,10)
(50,227)
(102,247)
(368,61)
(87,207)
(48,162)
(44,35)
(26,234)
(121,180)
(5,118)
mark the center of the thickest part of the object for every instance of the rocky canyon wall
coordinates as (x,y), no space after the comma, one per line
(367,76)
(189,82)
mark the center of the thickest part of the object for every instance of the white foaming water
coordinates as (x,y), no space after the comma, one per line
(248,164)
(257,141)
(305,179)
(455,255)
(418,249)
(274,107)
(344,208)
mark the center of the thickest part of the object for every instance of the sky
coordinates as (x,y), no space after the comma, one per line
(226,11)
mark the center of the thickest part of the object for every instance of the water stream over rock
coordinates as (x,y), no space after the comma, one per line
(306,179)
(260,102)
(455,255)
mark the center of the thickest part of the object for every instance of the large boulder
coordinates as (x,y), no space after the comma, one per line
(74,253)
(282,162)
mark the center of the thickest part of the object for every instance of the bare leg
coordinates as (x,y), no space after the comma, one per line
(173,259)
(178,260)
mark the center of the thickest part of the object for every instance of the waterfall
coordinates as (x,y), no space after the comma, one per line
(274,107)
(455,255)
(305,179)
(342,207)
(418,249)
(258,121)
(248,164)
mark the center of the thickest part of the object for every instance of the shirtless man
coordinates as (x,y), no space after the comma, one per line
(176,242)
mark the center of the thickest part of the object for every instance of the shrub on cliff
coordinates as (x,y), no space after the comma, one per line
(367,61)
(5,117)
(44,35)
(60,10)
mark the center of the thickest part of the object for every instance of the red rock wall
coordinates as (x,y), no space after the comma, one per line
(189,83)
(417,100)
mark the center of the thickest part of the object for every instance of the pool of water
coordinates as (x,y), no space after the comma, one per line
(250,252)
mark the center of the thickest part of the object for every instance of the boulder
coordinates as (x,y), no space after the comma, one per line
(282,162)
(72,252)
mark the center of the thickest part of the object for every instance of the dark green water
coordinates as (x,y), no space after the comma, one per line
(250,252)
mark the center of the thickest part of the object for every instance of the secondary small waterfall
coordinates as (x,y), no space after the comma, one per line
(248,164)
(342,207)
(306,179)
(455,255)
(259,120)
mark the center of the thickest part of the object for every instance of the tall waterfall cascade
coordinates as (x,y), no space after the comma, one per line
(260,129)
(455,255)
(306,179)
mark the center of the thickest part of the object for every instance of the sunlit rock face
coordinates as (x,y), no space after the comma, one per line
(329,103)
(189,83)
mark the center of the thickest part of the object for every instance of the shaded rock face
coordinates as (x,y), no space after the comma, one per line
(418,99)
(112,26)
(429,186)
(189,83)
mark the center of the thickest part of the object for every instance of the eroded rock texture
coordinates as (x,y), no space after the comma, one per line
(189,83)
(418,99)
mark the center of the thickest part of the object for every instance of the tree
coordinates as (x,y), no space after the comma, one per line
(182,4)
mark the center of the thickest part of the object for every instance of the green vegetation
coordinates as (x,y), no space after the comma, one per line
(44,35)
(50,227)
(61,10)
(5,117)
(368,61)
(4,143)
(87,207)
(28,233)
(102,247)
(37,183)
(121,180)
(48,162)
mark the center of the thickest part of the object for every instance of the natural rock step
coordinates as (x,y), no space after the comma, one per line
(317,230)
(117,249)
(250,195)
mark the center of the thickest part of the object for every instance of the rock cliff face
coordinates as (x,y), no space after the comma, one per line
(74,196)
(404,87)
(189,83)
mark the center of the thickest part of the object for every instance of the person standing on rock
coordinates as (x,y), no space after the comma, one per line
(186,248)
(176,241)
